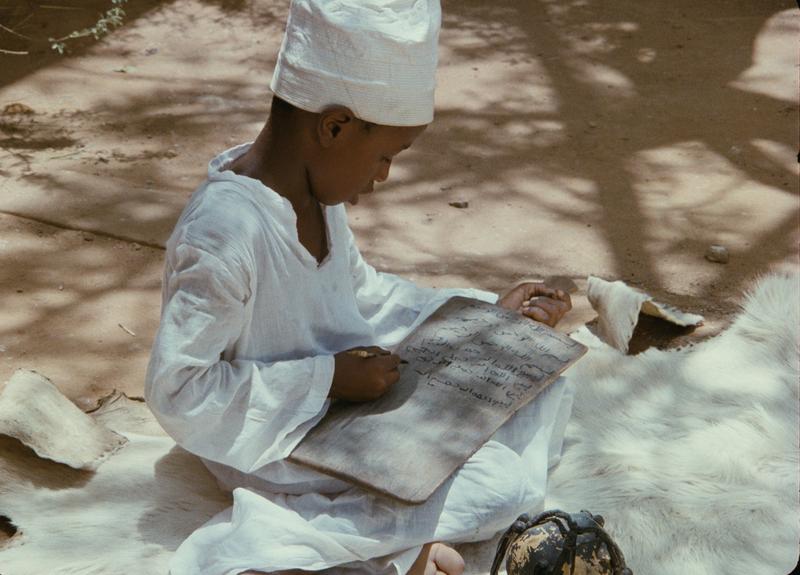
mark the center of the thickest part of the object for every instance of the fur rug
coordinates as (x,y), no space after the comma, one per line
(126,518)
(691,456)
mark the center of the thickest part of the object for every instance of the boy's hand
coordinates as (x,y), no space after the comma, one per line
(364,378)
(538,302)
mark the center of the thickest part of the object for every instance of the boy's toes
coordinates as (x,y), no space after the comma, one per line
(437,559)
(447,559)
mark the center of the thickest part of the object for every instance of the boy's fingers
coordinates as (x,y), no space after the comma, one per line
(560,295)
(542,302)
(393,377)
(389,379)
(394,360)
(541,290)
(562,306)
(564,296)
(536,313)
(388,361)
(550,311)
(551,306)
(369,352)
(535,291)
(377,350)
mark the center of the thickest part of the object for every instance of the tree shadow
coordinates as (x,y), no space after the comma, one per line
(610,95)
(597,93)
(27,27)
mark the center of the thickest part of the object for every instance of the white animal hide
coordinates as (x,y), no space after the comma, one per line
(128,517)
(618,307)
(35,412)
(122,414)
(690,455)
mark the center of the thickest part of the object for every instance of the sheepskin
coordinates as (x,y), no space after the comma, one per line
(690,455)
(618,307)
(126,518)
(35,412)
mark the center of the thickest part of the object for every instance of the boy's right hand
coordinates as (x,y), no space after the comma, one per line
(364,378)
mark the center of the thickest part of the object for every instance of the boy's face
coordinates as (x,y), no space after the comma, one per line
(359,155)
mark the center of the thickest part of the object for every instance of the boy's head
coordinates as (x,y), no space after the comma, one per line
(376,57)
(362,74)
(344,155)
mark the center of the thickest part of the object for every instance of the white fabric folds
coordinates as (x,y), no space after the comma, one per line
(377,57)
(240,371)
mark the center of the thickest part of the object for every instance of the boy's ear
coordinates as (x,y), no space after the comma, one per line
(333,124)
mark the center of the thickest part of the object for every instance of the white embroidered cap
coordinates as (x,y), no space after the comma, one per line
(377,57)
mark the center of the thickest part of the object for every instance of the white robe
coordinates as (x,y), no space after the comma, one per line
(240,371)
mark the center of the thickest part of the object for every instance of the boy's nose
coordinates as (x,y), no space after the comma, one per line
(383,172)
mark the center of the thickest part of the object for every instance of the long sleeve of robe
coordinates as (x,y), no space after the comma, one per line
(241,369)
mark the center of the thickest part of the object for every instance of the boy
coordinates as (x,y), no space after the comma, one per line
(265,293)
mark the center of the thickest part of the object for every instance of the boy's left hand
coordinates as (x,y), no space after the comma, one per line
(538,302)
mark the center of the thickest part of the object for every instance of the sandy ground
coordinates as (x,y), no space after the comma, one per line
(614,138)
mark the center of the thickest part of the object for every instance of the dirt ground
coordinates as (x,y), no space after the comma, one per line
(615,138)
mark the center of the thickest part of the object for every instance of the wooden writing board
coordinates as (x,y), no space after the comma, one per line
(471,366)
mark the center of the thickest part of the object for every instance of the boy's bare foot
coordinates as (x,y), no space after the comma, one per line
(437,559)
(292,572)
(434,559)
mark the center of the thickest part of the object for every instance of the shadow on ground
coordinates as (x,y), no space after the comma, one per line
(621,129)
